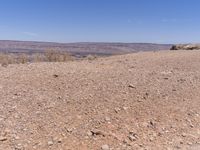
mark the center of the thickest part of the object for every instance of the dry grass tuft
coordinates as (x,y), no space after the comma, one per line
(22,58)
(57,56)
(91,57)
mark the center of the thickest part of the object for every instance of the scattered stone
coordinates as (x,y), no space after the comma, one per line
(117,110)
(50,143)
(166,72)
(181,142)
(16,137)
(152,123)
(151,139)
(69,130)
(184,135)
(107,119)
(105,147)
(132,136)
(59,140)
(19,147)
(59,97)
(2,139)
(140,100)
(125,108)
(131,86)
(97,132)
(55,76)
(89,133)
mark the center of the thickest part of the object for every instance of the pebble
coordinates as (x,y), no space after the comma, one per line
(132,138)
(2,139)
(50,143)
(55,76)
(69,130)
(117,110)
(184,135)
(89,133)
(125,108)
(16,137)
(59,140)
(107,119)
(105,147)
(96,132)
(131,86)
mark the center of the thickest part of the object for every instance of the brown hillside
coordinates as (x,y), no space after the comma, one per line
(144,101)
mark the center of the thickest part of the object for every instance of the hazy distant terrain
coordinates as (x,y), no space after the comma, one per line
(80,48)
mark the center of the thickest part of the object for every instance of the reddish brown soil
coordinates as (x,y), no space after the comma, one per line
(144,101)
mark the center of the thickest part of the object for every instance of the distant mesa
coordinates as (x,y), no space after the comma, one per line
(186,47)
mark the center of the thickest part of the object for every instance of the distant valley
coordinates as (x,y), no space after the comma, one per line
(80,49)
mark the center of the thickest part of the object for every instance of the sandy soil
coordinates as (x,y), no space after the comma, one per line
(144,101)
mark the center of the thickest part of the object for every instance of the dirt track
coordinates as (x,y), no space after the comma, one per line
(138,101)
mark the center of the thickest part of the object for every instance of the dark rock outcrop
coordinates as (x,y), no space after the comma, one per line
(186,47)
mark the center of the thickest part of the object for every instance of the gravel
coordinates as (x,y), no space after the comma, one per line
(146,100)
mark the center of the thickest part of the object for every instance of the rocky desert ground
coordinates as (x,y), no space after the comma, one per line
(141,101)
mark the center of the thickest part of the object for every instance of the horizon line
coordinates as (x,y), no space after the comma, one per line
(98,42)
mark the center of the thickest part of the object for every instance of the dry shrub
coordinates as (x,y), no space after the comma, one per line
(38,57)
(22,58)
(6,59)
(91,57)
(57,56)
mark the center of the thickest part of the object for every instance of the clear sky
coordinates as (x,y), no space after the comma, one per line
(158,21)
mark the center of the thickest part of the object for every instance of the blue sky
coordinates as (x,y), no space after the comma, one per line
(157,21)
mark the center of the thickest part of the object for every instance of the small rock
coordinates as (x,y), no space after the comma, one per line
(59,97)
(181,142)
(89,133)
(50,143)
(132,138)
(16,137)
(131,86)
(69,130)
(19,147)
(2,139)
(97,132)
(107,119)
(152,123)
(125,108)
(191,125)
(55,76)
(117,110)
(59,140)
(184,135)
(105,147)
(151,139)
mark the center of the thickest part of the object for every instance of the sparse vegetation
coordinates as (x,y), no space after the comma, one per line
(57,56)
(91,57)
(22,58)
